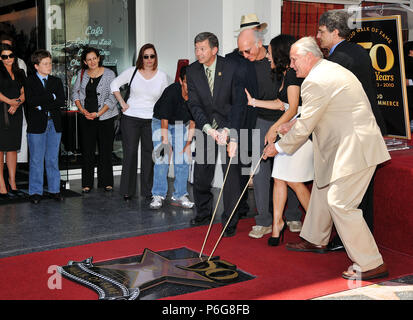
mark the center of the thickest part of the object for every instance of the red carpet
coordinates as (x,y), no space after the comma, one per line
(393,203)
(280,274)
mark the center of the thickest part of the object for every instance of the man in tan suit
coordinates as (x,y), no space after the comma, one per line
(348,146)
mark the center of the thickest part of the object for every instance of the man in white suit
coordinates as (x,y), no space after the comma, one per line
(348,146)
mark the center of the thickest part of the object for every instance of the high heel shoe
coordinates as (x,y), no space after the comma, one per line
(13,191)
(274,241)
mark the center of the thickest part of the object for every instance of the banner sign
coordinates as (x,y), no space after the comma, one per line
(382,38)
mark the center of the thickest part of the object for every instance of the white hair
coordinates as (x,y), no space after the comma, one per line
(306,45)
(259,36)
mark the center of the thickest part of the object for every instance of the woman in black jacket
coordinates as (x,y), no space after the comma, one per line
(11,115)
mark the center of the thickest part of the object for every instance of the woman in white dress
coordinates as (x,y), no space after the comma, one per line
(289,170)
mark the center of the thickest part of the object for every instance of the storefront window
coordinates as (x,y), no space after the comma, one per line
(72,25)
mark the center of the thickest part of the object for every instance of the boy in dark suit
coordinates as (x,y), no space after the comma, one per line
(44,97)
(216,98)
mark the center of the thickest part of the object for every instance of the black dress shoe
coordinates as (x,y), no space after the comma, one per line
(229,232)
(200,220)
(335,244)
(4,195)
(56,196)
(35,198)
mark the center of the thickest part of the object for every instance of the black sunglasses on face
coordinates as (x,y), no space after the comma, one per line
(245,51)
(5,56)
(152,56)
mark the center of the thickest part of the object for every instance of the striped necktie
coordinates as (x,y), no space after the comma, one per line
(211,87)
(210,80)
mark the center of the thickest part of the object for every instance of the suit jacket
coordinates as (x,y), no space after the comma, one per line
(337,112)
(248,78)
(227,103)
(355,58)
(40,101)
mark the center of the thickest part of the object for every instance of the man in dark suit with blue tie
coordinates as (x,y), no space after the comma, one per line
(332,32)
(216,98)
(44,98)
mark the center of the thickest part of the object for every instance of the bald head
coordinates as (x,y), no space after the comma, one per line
(250,44)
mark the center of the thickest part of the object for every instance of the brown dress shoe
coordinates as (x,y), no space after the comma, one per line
(306,246)
(379,272)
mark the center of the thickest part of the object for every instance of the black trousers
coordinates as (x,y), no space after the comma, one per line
(100,133)
(204,170)
(133,131)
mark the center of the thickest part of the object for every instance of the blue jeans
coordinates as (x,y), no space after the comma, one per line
(44,148)
(177,134)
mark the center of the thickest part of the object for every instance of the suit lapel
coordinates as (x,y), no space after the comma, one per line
(41,82)
(203,82)
(338,48)
(218,77)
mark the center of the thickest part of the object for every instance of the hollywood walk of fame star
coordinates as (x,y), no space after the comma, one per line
(153,269)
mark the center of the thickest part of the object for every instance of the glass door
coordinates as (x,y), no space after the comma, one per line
(19,26)
(70,26)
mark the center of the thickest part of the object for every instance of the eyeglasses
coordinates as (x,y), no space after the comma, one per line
(152,56)
(245,51)
(5,56)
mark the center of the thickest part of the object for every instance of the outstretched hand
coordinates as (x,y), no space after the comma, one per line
(249,98)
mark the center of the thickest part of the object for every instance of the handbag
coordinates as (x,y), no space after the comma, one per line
(127,93)
(125,98)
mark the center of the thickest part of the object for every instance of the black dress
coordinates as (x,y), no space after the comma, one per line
(10,125)
(290,79)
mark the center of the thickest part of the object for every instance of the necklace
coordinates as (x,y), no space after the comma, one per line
(94,76)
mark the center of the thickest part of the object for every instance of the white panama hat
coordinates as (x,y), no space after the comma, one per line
(250,21)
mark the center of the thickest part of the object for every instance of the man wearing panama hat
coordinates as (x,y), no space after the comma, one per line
(257,75)
(247,72)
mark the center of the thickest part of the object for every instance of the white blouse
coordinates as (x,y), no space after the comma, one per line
(143,93)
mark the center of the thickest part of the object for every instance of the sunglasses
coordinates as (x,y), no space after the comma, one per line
(152,56)
(245,51)
(5,56)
